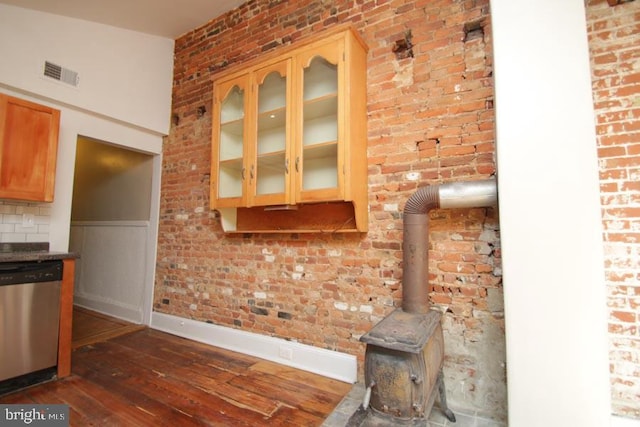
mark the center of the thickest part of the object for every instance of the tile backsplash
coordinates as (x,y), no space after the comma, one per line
(24,222)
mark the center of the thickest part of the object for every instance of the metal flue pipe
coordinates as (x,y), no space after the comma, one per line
(415,246)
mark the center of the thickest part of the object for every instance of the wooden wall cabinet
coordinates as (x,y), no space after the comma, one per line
(28,149)
(289,139)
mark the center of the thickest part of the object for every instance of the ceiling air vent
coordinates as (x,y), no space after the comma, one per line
(61,74)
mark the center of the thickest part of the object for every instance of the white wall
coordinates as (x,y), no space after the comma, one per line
(115,285)
(124,75)
(124,96)
(555,303)
(72,124)
(58,213)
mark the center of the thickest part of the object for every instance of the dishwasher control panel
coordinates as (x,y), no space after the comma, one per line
(12,273)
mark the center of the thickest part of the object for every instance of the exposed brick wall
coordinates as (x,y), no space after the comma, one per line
(430,120)
(614,41)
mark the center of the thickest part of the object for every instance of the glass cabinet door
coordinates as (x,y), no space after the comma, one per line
(319,158)
(230,125)
(271,170)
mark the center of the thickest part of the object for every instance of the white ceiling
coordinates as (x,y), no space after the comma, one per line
(166,18)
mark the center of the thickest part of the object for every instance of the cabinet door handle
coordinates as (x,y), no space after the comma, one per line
(298,164)
(286,166)
(251,172)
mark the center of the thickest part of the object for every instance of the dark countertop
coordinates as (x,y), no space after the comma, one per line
(37,251)
(36,256)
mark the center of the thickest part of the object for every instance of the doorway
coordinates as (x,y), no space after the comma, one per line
(112,229)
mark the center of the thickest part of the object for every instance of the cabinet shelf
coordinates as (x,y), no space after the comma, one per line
(231,134)
(272,159)
(320,118)
(323,106)
(271,174)
(233,127)
(324,150)
(272,119)
(231,177)
(235,163)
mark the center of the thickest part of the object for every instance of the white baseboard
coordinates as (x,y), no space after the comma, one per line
(624,422)
(130,314)
(332,364)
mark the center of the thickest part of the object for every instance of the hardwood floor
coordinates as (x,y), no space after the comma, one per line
(90,327)
(147,377)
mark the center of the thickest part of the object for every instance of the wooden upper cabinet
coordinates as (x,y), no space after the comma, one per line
(28,149)
(295,125)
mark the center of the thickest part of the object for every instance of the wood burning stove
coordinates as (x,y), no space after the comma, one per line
(403,363)
(405,351)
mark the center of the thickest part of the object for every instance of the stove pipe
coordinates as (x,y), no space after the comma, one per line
(415,246)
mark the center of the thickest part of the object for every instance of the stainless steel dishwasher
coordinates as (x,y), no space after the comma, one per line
(29,322)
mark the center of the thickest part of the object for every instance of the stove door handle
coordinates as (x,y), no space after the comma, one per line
(367,396)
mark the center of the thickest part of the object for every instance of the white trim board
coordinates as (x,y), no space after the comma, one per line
(109,308)
(328,363)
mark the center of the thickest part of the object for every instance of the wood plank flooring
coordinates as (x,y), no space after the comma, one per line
(90,327)
(149,378)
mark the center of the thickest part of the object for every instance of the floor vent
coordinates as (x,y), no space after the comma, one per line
(61,74)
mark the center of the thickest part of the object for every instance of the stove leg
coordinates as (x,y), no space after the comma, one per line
(443,398)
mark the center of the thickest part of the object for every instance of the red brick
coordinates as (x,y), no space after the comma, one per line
(424,124)
(615,47)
